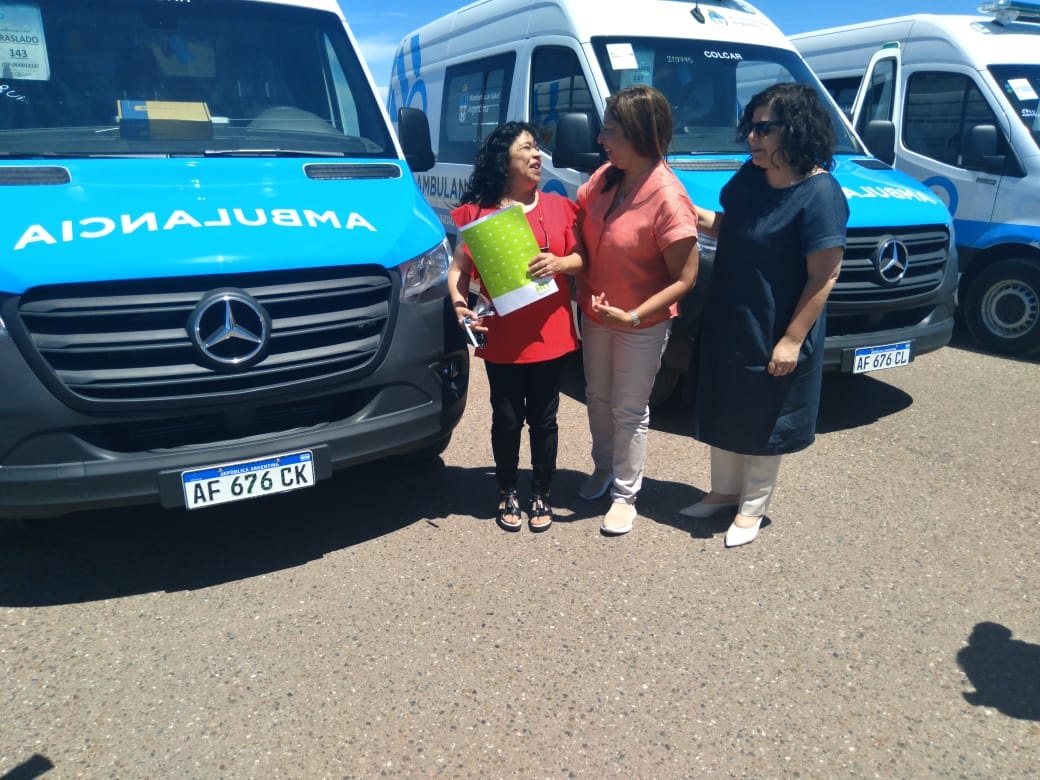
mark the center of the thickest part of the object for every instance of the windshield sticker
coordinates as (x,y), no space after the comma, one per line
(23,49)
(178,57)
(1023,89)
(622,57)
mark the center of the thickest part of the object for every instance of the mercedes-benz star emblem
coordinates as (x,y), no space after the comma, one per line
(230,329)
(891,260)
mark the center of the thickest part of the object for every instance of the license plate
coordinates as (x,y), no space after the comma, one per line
(214,485)
(877,358)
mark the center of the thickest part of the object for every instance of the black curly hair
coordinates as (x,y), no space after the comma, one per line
(487,184)
(807,137)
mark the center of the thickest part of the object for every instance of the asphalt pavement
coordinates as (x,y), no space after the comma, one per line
(885,623)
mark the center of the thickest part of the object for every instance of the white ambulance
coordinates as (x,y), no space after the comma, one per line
(952,100)
(554,63)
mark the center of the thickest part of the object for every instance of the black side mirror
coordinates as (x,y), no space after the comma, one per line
(576,145)
(981,144)
(880,138)
(413,128)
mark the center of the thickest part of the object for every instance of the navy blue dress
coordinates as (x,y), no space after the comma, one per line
(758,277)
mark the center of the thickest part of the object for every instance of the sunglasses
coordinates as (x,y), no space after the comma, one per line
(763,129)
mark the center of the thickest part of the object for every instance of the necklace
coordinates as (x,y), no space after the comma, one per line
(536,204)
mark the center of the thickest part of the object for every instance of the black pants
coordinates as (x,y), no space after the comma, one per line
(519,392)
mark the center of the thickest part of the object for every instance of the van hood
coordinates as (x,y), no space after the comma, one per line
(878,196)
(96,220)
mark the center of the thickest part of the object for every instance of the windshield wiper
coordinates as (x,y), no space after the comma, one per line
(267,153)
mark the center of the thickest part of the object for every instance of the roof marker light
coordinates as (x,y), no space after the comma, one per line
(1008,11)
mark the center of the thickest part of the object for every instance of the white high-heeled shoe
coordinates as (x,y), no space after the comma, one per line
(736,536)
(702,509)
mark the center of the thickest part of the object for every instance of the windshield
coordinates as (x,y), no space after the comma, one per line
(1021,85)
(707,84)
(126,77)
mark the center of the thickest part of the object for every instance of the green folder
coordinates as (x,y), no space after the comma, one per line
(502,246)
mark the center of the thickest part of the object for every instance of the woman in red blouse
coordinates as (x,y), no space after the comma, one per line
(525,350)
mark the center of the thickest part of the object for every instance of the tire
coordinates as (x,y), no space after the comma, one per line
(1002,307)
(665,383)
(12,527)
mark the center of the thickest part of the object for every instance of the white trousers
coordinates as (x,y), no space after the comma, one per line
(752,477)
(620,368)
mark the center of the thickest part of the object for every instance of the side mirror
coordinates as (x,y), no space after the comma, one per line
(576,145)
(880,138)
(413,128)
(981,144)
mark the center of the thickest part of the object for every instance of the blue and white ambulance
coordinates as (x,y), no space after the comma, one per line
(555,62)
(952,101)
(218,279)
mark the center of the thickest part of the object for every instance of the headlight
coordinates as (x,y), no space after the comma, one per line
(424,277)
(3,328)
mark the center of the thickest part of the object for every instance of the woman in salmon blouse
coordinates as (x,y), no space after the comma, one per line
(638,231)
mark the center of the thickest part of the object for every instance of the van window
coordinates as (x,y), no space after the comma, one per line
(940,108)
(476,98)
(879,100)
(843,90)
(1021,86)
(253,78)
(707,83)
(558,85)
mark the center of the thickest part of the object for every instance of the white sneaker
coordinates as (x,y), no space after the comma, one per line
(618,519)
(597,483)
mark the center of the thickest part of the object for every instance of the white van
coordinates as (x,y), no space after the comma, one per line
(218,279)
(554,62)
(952,101)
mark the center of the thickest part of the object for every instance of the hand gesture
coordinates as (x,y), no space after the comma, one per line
(607,313)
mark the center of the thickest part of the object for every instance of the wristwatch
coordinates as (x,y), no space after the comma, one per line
(635,318)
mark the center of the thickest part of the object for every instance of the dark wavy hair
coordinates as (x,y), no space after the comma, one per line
(487,184)
(646,120)
(807,137)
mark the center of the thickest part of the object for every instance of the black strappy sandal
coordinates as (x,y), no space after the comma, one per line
(508,517)
(540,512)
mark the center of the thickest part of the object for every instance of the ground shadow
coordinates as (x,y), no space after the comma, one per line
(91,556)
(963,340)
(1005,672)
(846,401)
(856,400)
(105,554)
(36,766)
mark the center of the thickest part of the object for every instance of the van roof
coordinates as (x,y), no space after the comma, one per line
(501,21)
(934,38)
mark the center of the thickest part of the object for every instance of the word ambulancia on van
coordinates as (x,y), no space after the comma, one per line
(554,63)
(220,281)
(952,101)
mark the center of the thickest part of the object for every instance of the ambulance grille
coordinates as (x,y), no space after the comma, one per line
(119,342)
(928,250)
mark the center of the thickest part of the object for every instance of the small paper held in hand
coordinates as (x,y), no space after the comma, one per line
(502,245)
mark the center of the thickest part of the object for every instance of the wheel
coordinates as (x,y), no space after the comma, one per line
(11,527)
(1002,307)
(664,385)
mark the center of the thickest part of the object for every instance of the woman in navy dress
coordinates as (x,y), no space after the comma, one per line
(781,237)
